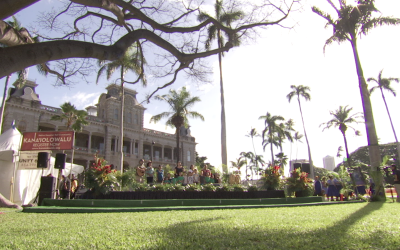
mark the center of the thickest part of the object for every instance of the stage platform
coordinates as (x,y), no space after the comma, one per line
(106,206)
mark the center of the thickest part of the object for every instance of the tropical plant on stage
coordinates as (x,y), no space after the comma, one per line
(299,182)
(351,21)
(179,103)
(100,177)
(272,178)
(343,120)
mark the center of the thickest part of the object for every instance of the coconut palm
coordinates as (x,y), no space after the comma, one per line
(352,22)
(282,158)
(302,91)
(249,156)
(240,162)
(253,133)
(130,61)
(74,119)
(179,103)
(225,18)
(384,84)
(297,137)
(274,132)
(342,120)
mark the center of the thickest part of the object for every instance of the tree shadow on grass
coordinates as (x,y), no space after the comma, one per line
(227,233)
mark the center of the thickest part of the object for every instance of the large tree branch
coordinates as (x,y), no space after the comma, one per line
(10,7)
(105,5)
(15,58)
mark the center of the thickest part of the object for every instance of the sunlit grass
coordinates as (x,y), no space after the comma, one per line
(344,226)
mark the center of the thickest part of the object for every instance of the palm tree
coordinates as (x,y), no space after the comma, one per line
(342,120)
(130,61)
(289,127)
(353,21)
(273,132)
(253,133)
(282,158)
(179,103)
(384,84)
(248,156)
(74,119)
(297,137)
(225,18)
(240,162)
(302,91)
(258,159)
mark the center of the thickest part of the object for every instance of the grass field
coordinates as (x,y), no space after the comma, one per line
(345,226)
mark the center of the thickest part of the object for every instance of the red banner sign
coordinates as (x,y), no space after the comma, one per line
(51,140)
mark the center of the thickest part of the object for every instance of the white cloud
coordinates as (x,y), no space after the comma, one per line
(81,99)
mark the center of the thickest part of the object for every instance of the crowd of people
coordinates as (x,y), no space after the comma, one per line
(147,173)
(331,187)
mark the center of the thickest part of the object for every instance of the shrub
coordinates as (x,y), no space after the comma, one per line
(252,188)
(238,188)
(209,187)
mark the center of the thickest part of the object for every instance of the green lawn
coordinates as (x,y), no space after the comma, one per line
(345,226)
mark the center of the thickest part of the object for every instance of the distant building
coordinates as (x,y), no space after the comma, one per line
(102,134)
(329,162)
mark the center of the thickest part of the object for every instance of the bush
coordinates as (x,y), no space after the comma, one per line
(209,187)
(238,188)
(252,188)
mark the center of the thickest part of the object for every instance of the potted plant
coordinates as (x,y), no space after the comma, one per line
(101,178)
(299,183)
(271,178)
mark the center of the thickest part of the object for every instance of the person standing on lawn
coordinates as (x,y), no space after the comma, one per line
(332,190)
(160,174)
(396,174)
(317,187)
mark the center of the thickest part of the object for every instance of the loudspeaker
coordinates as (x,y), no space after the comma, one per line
(305,167)
(296,165)
(43,158)
(47,188)
(60,161)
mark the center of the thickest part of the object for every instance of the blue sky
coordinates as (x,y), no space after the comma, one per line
(257,78)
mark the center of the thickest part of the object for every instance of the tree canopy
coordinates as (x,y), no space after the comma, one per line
(169,35)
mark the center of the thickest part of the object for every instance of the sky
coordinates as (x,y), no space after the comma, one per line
(257,78)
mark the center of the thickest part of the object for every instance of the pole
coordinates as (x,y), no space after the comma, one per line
(70,172)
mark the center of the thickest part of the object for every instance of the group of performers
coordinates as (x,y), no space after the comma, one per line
(181,175)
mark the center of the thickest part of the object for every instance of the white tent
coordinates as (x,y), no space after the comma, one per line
(27,181)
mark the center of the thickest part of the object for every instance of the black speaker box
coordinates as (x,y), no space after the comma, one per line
(60,161)
(47,188)
(296,165)
(42,161)
(305,167)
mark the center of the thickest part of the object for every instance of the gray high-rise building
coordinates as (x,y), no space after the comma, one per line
(329,162)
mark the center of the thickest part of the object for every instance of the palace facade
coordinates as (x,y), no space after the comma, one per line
(102,134)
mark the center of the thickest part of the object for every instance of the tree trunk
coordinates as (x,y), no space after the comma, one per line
(121,131)
(3,103)
(373,147)
(347,150)
(272,154)
(224,151)
(178,121)
(308,144)
(391,123)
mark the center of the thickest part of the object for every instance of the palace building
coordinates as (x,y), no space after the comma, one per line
(102,134)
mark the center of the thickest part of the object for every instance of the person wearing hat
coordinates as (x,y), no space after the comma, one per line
(396,174)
